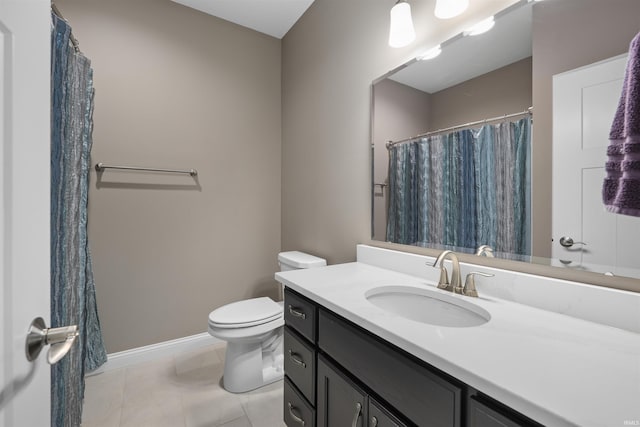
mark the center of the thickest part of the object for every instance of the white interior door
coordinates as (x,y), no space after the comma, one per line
(24,218)
(584,103)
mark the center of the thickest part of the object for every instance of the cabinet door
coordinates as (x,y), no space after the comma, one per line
(340,402)
(379,417)
(481,415)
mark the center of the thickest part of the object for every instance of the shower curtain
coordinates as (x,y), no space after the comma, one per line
(73,300)
(463,189)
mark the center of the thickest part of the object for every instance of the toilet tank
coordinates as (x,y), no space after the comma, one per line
(294,260)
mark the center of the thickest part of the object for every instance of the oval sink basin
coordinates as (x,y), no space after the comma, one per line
(428,306)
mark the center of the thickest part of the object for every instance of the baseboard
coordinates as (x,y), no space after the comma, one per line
(123,359)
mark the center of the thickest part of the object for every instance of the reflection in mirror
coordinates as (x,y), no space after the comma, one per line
(434,112)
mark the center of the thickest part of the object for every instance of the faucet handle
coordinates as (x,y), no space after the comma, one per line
(470,283)
(443,283)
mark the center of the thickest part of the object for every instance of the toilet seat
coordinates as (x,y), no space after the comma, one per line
(246,313)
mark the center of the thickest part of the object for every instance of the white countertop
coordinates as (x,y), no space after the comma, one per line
(553,368)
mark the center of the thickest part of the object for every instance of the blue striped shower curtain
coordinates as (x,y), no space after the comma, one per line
(73,300)
(463,189)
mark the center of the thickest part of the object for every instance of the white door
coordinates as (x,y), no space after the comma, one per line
(24,218)
(584,103)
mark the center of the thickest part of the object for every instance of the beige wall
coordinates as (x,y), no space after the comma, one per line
(330,58)
(178,88)
(400,111)
(502,91)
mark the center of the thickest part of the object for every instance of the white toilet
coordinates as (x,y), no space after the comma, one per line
(253,331)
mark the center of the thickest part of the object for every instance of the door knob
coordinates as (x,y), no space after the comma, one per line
(60,340)
(568,242)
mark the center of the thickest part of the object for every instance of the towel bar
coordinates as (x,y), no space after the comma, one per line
(100,167)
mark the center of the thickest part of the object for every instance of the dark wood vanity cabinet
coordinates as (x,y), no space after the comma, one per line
(338,374)
(300,358)
(485,412)
(420,395)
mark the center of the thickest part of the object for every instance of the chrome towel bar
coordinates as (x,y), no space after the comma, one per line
(100,167)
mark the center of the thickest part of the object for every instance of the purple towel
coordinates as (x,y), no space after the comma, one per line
(621,189)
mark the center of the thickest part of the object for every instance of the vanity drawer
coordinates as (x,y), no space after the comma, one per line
(300,364)
(300,314)
(297,412)
(421,395)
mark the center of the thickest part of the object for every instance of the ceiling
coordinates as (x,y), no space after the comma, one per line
(272,17)
(466,57)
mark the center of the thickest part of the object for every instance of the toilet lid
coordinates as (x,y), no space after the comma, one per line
(250,312)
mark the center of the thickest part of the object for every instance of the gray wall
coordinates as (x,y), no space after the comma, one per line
(178,88)
(502,91)
(330,58)
(564,40)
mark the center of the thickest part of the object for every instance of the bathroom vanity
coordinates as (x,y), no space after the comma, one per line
(339,374)
(351,362)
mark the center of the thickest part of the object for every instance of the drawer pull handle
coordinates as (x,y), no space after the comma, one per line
(295,312)
(357,415)
(295,357)
(374,422)
(295,417)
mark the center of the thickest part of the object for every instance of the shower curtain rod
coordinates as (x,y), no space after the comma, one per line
(100,167)
(466,125)
(74,41)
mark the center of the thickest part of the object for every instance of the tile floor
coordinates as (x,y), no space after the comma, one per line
(179,391)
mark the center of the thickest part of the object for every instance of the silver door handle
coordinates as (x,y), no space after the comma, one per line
(357,415)
(60,339)
(296,313)
(295,416)
(295,357)
(568,242)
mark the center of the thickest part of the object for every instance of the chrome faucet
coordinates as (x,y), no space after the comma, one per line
(470,284)
(485,250)
(456,285)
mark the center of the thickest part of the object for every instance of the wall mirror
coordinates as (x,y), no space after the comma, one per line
(525,67)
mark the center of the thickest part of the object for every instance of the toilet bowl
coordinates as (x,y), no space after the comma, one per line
(253,331)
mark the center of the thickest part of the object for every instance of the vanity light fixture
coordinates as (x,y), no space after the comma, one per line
(430,54)
(401,31)
(481,27)
(446,9)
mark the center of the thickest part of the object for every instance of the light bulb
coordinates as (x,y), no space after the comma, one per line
(446,9)
(401,31)
(430,54)
(481,27)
